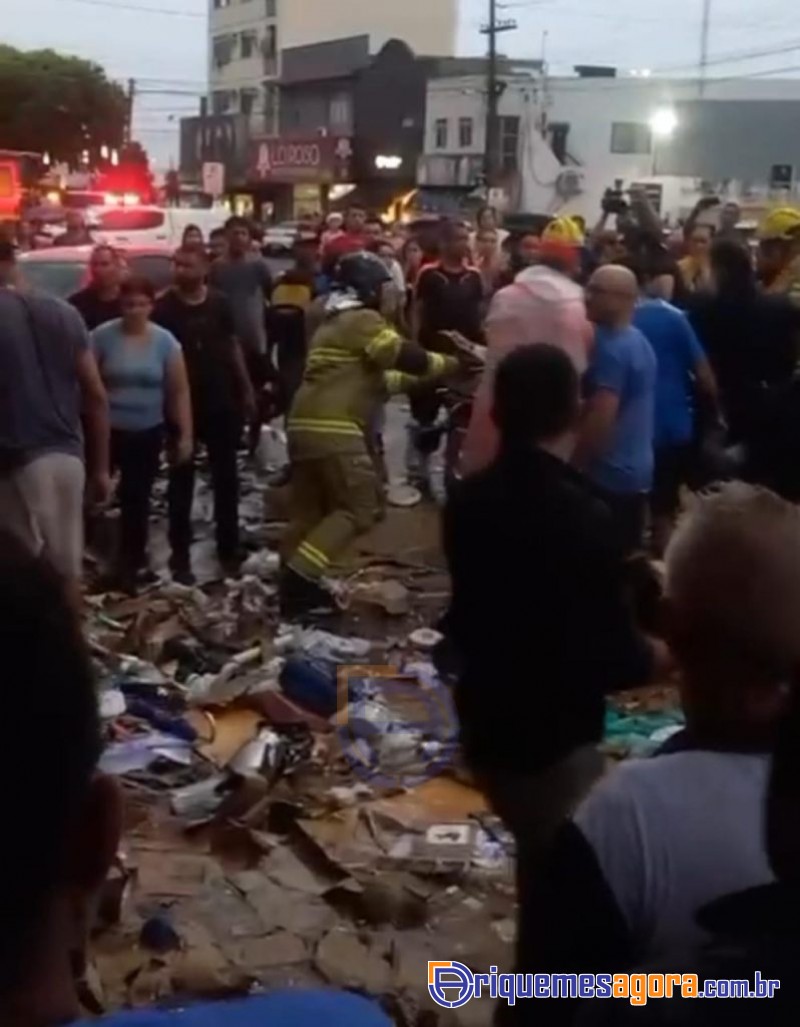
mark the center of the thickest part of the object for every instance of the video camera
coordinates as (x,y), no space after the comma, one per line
(614,201)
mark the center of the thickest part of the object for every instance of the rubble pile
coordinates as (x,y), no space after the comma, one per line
(296,812)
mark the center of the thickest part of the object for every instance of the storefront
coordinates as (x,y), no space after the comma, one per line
(294,176)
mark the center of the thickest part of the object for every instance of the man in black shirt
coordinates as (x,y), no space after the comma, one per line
(448,297)
(449,293)
(539,620)
(99,301)
(222,399)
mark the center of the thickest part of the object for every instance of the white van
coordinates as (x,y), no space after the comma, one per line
(146,226)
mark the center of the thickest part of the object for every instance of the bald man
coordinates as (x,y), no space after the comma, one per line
(616,442)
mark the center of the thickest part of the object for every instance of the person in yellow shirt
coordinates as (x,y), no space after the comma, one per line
(779,253)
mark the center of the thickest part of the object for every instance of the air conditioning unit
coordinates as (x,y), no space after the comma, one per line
(570,182)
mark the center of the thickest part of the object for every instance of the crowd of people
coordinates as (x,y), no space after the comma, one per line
(607,376)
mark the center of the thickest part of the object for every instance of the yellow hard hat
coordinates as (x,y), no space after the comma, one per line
(781,223)
(564,231)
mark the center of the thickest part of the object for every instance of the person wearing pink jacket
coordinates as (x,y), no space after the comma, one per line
(543,304)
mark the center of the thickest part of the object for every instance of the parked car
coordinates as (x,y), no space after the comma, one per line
(62,270)
(144,226)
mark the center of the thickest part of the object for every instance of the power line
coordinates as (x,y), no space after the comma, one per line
(170,81)
(731,57)
(737,56)
(172,92)
(170,11)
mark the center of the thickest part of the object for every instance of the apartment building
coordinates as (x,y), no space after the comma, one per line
(246,38)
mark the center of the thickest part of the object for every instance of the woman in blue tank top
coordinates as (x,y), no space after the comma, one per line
(144,372)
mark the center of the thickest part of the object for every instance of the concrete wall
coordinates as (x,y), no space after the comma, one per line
(428,26)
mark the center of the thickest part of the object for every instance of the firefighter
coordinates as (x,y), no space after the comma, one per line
(334,482)
(779,253)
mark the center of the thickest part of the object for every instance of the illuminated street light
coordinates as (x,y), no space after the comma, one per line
(663,123)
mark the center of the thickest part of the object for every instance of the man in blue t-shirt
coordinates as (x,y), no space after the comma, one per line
(683,370)
(67,819)
(616,441)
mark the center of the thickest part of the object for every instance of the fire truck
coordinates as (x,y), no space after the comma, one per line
(19,170)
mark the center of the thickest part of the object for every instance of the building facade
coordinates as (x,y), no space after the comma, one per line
(564,141)
(347,119)
(349,123)
(247,38)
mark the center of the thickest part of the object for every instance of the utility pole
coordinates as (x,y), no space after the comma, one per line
(129,111)
(494,90)
(705,27)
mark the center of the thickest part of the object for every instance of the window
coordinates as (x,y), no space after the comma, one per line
(247,100)
(249,43)
(340,111)
(559,133)
(123,220)
(465,133)
(269,50)
(269,45)
(440,133)
(630,137)
(270,109)
(223,50)
(509,143)
(220,101)
(271,5)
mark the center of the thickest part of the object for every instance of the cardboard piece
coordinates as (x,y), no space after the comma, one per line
(234,729)
(279,949)
(345,961)
(172,874)
(438,801)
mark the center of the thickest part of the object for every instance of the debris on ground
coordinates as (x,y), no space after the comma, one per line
(297,813)
(294,809)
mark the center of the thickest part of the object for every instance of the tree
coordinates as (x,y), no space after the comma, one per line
(58,104)
(134,153)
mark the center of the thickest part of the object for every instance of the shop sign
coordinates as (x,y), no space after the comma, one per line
(321,159)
